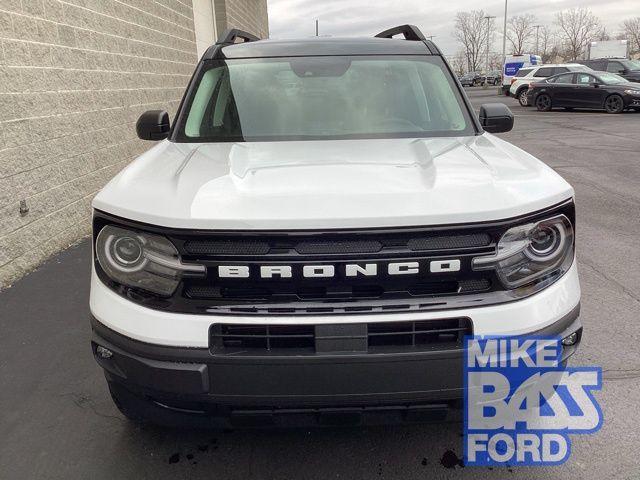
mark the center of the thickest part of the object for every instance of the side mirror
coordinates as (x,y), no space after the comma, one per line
(153,125)
(496,117)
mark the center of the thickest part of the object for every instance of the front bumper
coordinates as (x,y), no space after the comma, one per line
(224,390)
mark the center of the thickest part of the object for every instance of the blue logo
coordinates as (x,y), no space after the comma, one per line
(521,405)
(510,69)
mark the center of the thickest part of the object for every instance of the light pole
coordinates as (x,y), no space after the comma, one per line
(537,27)
(488,18)
(504,41)
(317,28)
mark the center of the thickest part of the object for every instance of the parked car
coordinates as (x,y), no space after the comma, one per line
(513,65)
(491,78)
(470,79)
(520,84)
(316,234)
(628,69)
(594,90)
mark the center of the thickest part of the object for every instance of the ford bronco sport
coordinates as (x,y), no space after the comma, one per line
(315,234)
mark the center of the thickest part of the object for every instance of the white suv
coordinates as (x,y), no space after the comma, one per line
(520,83)
(315,235)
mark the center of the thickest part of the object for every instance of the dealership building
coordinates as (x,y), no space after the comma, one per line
(74,77)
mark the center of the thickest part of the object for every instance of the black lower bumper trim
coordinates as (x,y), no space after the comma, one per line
(193,379)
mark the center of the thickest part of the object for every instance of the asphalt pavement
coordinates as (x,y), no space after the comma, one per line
(57,420)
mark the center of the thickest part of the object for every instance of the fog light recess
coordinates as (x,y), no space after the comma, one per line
(103,352)
(570,339)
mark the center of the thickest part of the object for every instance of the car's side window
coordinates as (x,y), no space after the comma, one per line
(585,79)
(544,72)
(566,78)
(615,67)
(558,70)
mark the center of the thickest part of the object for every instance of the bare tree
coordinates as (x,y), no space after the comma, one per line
(578,26)
(459,62)
(520,31)
(472,32)
(547,47)
(632,33)
(602,35)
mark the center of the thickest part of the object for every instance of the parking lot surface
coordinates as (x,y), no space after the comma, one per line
(57,420)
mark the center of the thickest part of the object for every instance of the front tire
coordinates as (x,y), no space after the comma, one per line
(543,102)
(522,97)
(614,104)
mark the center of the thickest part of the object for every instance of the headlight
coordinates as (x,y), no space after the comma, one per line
(632,92)
(141,260)
(527,253)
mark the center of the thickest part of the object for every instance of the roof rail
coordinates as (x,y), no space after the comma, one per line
(230,36)
(410,32)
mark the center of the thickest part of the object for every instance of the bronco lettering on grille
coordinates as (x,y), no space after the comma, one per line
(347,270)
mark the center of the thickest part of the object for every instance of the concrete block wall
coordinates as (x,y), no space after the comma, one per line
(249,15)
(74,77)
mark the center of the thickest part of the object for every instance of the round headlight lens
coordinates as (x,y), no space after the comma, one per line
(127,251)
(546,242)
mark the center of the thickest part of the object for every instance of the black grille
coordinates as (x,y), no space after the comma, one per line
(232,338)
(449,242)
(442,333)
(339,292)
(326,293)
(337,247)
(332,244)
(226,247)
(375,337)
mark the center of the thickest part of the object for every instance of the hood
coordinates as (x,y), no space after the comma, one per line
(332,184)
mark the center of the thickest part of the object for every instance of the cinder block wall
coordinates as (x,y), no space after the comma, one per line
(74,77)
(249,15)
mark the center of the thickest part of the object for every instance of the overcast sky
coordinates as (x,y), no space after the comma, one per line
(296,18)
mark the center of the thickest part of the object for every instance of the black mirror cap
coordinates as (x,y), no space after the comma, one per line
(496,118)
(153,125)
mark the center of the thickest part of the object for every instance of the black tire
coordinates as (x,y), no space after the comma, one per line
(614,104)
(522,97)
(543,102)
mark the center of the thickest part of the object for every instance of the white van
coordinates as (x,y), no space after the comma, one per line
(513,63)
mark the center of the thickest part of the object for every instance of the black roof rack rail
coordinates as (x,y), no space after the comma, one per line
(410,32)
(230,36)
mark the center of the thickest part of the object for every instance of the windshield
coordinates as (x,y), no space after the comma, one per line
(634,65)
(325,98)
(611,79)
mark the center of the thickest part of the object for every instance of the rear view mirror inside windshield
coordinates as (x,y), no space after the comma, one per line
(320,67)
